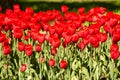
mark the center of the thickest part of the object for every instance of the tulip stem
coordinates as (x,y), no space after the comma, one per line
(28,64)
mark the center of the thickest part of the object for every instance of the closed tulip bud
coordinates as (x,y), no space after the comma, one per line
(21,46)
(51,62)
(38,48)
(53,51)
(114,55)
(28,50)
(23,68)
(63,64)
(64,8)
(6,50)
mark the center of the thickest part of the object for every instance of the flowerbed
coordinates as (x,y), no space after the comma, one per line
(59,45)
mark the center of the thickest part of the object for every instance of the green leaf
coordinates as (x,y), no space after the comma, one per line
(111,66)
(75,64)
(94,64)
(85,72)
(74,78)
(61,72)
(30,78)
(97,74)
(10,72)
(45,67)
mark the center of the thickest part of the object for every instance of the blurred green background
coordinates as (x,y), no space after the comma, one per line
(38,5)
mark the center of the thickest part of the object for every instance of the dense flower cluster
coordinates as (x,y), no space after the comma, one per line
(57,29)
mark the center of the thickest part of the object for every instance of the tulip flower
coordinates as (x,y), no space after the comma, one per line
(51,62)
(63,64)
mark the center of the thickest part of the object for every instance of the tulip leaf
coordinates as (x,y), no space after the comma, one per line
(85,72)
(61,72)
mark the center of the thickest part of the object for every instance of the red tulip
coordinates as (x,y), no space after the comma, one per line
(95,27)
(95,45)
(21,46)
(116,29)
(29,33)
(47,37)
(6,50)
(18,34)
(7,27)
(34,34)
(101,21)
(41,59)
(63,64)
(51,62)
(64,8)
(55,43)
(53,51)
(41,38)
(114,55)
(75,38)
(7,21)
(16,8)
(45,25)
(110,14)
(8,11)
(83,33)
(108,29)
(81,10)
(71,30)
(81,45)
(113,22)
(28,50)
(116,36)
(54,40)
(91,31)
(95,18)
(67,38)
(59,30)
(102,37)
(16,28)
(24,25)
(49,12)
(93,40)
(2,37)
(114,48)
(26,38)
(0,29)
(38,48)
(59,17)
(51,30)
(29,10)
(55,13)
(5,42)
(65,43)
(23,68)
(102,10)
(35,27)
